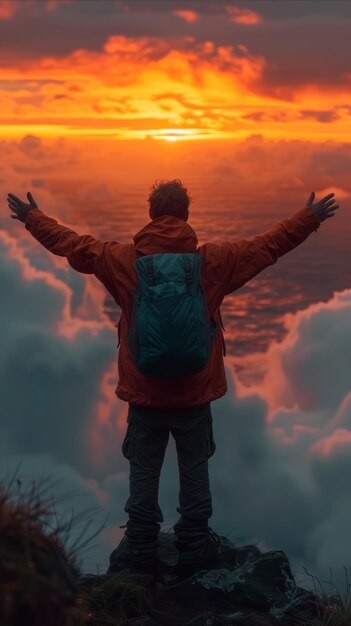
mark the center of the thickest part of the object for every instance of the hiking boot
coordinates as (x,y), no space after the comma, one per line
(148,566)
(137,564)
(207,560)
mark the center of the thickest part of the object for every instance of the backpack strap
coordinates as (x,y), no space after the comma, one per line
(150,268)
(187,267)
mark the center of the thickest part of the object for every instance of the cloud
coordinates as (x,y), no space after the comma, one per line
(93,188)
(55,360)
(284,444)
(136,49)
(147,66)
(51,5)
(194,71)
(228,83)
(59,413)
(126,7)
(187,16)
(8,9)
(243,16)
(299,372)
(31,145)
(321,116)
(289,441)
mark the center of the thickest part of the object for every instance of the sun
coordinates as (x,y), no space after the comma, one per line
(176,134)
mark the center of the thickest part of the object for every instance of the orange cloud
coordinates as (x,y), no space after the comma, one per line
(8,8)
(339,440)
(244,16)
(138,7)
(187,16)
(52,4)
(217,91)
(204,78)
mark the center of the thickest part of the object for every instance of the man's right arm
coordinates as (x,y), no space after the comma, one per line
(246,258)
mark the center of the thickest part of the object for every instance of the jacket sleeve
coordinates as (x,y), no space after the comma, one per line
(84,253)
(244,259)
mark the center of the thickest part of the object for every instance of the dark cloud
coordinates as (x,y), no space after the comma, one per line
(286,116)
(269,8)
(38,182)
(321,116)
(286,67)
(30,145)
(320,28)
(58,377)
(331,162)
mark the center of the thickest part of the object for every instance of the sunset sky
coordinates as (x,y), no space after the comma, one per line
(175,70)
(248,103)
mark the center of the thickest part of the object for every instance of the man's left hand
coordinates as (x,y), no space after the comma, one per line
(20,208)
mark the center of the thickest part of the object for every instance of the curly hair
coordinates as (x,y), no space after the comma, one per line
(169,197)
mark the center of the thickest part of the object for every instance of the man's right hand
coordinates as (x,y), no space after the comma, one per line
(322,209)
(19,207)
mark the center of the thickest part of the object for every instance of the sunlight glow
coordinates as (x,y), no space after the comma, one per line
(177,134)
(199,91)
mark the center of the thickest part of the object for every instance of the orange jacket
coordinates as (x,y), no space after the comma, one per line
(227,267)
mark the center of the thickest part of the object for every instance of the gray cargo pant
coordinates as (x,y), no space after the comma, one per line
(144,446)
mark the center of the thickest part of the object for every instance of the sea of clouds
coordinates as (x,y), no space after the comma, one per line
(280,473)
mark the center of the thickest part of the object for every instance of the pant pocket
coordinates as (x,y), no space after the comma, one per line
(209,444)
(128,445)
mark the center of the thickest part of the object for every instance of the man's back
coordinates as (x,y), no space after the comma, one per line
(226,267)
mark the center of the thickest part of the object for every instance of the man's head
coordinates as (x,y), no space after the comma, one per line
(169,197)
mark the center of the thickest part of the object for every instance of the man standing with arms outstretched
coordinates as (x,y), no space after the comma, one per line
(161,397)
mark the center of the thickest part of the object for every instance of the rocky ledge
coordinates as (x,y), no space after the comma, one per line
(246,587)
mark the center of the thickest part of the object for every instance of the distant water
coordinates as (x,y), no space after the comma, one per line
(252,315)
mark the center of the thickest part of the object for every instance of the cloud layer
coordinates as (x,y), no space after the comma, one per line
(284,445)
(240,188)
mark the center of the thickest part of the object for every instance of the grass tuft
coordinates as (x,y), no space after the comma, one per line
(332,609)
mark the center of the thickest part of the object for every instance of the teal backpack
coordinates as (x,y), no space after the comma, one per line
(171,333)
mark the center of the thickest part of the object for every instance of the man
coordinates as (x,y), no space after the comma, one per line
(181,406)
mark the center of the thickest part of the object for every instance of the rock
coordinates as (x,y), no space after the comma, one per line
(143,620)
(245,587)
(87,581)
(206,619)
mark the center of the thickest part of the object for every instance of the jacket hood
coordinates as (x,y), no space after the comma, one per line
(166,234)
